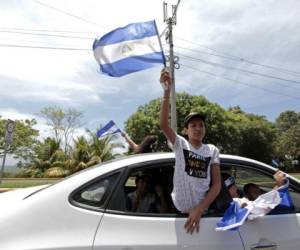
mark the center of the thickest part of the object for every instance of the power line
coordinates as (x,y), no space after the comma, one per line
(43,34)
(239,60)
(211,54)
(247,84)
(35,42)
(66,13)
(46,30)
(239,69)
(277,83)
(236,58)
(42,47)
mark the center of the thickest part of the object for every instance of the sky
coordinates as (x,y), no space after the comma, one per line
(235,53)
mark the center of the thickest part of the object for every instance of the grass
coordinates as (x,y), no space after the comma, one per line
(22,182)
(296,175)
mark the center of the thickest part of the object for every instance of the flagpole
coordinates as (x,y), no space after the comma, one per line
(169,36)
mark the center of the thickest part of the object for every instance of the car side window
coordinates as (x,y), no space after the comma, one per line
(96,193)
(244,175)
(149,190)
(145,191)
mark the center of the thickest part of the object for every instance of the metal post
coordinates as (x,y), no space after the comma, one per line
(10,126)
(172,21)
(173,90)
(3,162)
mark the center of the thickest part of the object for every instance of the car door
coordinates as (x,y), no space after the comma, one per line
(278,230)
(123,229)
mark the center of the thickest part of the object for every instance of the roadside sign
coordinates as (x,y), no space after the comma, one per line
(10,127)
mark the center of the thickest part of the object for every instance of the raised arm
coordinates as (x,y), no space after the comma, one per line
(131,143)
(165,78)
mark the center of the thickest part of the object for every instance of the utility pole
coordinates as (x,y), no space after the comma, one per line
(10,126)
(173,61)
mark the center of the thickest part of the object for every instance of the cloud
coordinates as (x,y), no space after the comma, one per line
(261,31)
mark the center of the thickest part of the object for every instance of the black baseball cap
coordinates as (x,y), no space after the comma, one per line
(191,116)
(228,180)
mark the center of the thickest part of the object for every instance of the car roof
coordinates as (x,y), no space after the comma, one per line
(120,163)
(152,157)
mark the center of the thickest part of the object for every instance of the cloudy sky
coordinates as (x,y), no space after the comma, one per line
(233,52)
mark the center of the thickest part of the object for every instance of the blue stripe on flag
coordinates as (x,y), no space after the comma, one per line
(132,31)
(286,199)
(233,218)
(109,128)
(129,49)
(131,64)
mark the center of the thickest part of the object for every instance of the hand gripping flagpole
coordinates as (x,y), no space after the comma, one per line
(172,60)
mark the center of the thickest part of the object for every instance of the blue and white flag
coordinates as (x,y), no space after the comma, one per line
(286,199)
(109,128)
(129,49)
(276,199)
(275,163)
(234,217)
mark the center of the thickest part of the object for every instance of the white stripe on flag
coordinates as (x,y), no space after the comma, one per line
(118,51)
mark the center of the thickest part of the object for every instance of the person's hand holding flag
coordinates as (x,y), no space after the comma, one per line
(165,79)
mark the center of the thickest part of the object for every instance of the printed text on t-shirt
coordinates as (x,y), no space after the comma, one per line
(196,165)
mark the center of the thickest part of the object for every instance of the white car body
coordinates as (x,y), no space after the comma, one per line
(48,217)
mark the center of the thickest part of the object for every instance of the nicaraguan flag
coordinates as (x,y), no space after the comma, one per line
(286,199)
(109,128)
(234,217)
(275,200)
(129,49)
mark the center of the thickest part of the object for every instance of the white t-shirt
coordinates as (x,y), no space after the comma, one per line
(192,173)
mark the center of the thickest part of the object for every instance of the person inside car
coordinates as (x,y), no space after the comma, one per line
(142,200)
(253,191)
(230,185)
(196,164)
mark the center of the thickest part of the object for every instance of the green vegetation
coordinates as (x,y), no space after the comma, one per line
(55,157)
(22,183)
(232,130)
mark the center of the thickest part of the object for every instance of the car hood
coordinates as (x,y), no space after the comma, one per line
(9,199)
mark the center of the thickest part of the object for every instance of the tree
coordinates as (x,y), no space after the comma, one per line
(286,120)
(24,138)
(63,123)
(287,145)
(233,131)
(47,155)
(257,138)
(49,160)
(100,149)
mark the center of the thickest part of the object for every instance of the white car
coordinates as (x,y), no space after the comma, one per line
(88,211)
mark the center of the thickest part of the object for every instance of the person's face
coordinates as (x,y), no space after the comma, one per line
(253,193)
(233,191)
(196,130)
(143,185)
